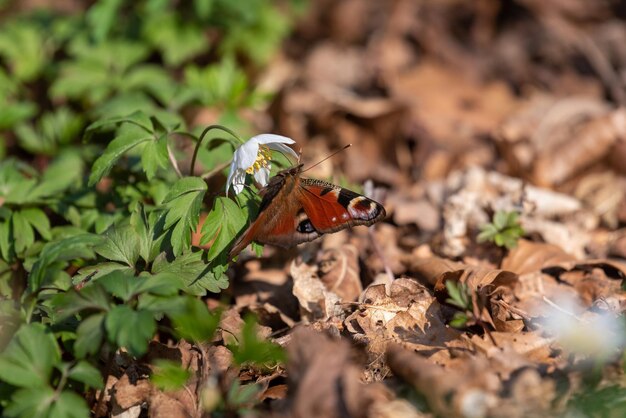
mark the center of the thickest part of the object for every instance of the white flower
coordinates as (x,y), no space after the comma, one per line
(254,157)
(583,332)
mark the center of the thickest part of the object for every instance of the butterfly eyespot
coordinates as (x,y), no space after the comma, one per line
(305,227)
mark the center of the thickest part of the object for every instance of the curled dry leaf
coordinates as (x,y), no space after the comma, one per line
(316,303)
(340,272)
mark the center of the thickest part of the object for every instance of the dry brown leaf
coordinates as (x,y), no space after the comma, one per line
(339,271)
(316,303)
(165,406)
(406,314)
(323,381)
(127,394)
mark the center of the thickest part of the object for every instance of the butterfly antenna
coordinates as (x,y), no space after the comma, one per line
(330,156)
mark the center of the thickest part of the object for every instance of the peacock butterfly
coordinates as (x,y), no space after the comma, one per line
(295,210)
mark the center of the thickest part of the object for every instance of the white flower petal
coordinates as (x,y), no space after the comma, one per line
(271,138)
(238,181)
(262,175)
(246,155)
(284,149)
(231,174)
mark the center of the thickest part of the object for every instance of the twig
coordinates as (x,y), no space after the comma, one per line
(558,308)
(170,155)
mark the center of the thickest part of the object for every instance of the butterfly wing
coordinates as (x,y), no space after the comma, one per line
(281,218)
(331,208)
(296,210)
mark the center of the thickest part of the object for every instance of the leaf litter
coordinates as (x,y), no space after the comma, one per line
(456,126)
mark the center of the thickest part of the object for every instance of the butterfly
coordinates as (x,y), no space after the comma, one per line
(295,210)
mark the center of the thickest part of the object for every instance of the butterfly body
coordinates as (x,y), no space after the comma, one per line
(295,210)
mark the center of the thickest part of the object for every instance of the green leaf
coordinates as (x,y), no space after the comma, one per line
(459,320)
(93,273)
(126,286)
(30,356)
(33,402)
(92,297)
(37,218)
(169,375)
(253,349)
(89,336)
(69,405)
(22,231)
(177,42)
(154,155)
(85,373)
(458,294)
(138,118)
(221,226)
(130,329)
(120,243)
(194,322)
(64,171)
(23,45)
(184,203)
(500,220)
(128,136)
(6,249)
(488,232)
(71,248)
(102,16)
(196,274)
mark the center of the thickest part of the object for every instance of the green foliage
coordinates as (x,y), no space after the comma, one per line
(505,230)
(253,349)
(169,375)
(461,297)
(97,202)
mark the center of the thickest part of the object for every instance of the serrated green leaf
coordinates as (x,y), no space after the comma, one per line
(30,356)
(120,243)
(126,286)
(92,297)
(86,373)
(70,248)
(221,226)
(154,155)
(93,273)
(195,273)
(128,136)
(130,329)
(89,335)
(184,203)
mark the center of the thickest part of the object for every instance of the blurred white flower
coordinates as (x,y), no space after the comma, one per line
(587,333)
(254,157)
